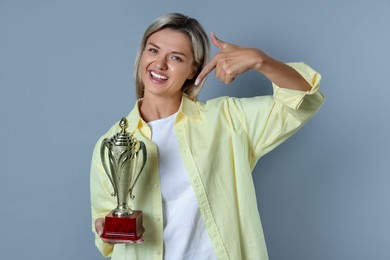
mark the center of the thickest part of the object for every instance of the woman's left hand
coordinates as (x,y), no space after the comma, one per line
(231,61)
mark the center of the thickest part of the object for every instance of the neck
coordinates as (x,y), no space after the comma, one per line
(156,108)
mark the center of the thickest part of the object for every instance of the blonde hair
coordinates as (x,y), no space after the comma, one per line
(200,48)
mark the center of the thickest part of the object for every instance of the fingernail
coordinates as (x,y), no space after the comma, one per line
(197,81)
(100,233)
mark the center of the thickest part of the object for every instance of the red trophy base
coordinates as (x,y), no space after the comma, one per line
(125,229)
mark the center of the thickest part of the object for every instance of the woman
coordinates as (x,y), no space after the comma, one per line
(196,192)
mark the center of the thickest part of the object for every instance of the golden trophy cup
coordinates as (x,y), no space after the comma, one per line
(122,152)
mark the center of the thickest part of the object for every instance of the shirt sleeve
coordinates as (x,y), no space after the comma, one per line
(270,120)
(101,200)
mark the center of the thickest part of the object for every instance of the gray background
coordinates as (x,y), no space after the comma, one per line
(66,77)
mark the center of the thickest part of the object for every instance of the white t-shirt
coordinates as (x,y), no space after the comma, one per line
(185,235)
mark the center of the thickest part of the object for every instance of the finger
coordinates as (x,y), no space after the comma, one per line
(217,42)
(229,80)
(205,71)
(223,46)
(99,226)
(223,76)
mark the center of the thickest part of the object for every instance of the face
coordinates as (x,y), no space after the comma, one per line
(166,63)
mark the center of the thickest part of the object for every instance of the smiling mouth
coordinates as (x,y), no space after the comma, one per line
(158,76)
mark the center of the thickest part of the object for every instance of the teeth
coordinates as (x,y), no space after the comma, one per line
(158,76)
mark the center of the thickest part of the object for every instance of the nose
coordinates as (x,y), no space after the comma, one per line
(161,63)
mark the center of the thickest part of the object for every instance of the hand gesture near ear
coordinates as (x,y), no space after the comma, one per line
(233,60)
(230,61)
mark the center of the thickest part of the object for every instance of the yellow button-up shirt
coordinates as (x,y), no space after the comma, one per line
(220,142)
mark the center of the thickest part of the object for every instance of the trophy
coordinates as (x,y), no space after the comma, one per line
(122,151)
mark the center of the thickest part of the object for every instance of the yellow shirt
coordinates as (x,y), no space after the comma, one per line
(220,142)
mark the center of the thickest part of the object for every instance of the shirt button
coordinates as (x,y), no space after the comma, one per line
(158,252)
(155,186)
(158,219)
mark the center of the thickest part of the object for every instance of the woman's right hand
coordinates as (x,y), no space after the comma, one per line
(99,228)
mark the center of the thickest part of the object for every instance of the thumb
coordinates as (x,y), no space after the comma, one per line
(217,42)
(99,226)
(221,45)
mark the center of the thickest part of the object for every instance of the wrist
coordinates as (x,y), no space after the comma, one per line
(260,59)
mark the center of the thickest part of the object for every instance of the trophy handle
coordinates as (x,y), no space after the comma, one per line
(102,158)
(144,157)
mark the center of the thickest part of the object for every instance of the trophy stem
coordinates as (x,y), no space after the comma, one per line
(122,210)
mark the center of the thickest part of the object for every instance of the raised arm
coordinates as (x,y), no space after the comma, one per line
(232,60)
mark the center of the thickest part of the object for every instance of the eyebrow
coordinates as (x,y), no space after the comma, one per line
(174,52)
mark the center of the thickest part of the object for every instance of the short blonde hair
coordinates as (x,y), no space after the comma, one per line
(200,48)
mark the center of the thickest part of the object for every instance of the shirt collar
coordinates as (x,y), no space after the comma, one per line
(187,107)
(134,118)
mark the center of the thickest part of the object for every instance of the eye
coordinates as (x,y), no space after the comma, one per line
(153,50)
(176,58)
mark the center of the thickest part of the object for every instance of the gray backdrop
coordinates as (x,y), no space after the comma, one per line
(66,77)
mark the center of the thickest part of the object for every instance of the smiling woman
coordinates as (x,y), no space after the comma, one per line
(197,193)
(166,64)
(197,41)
